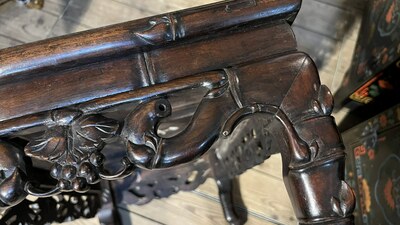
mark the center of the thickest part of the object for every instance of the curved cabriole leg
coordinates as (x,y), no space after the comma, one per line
(314,165)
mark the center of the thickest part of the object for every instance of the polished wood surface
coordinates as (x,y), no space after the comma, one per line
(67,16)
(199,67)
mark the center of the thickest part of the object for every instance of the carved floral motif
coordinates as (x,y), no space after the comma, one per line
(75,148)
(345,203)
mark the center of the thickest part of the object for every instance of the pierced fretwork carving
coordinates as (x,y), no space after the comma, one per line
(59,208)
(248,145)
(151,184)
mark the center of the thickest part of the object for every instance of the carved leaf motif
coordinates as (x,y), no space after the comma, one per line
(149,36)
(324,104)
(48,147)
(73,143)
(89,132)
(314,149)
(344,206)
(74,147)
(336,206)
(325,98)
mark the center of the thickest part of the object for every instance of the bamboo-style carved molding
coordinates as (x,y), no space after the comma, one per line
(260,96)
(140,34)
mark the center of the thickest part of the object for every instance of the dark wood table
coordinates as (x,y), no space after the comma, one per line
(227,77)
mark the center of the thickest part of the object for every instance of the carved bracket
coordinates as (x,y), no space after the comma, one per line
(141,138)
(148,150)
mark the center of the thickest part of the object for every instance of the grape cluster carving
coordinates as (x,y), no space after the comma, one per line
(75,148)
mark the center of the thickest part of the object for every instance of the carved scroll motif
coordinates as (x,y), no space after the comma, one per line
(148,150)
(141,138)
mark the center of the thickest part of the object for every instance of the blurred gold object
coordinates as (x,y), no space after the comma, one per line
(35,4)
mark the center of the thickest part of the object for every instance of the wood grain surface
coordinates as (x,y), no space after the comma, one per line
(327,30)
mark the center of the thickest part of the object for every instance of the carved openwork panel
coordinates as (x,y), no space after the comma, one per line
(247,146)
(58,208)
(147,185)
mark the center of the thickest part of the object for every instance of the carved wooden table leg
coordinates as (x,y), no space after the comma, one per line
(313,161)
(305,134)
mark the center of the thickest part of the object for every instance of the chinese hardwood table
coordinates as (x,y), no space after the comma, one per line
(213,90)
